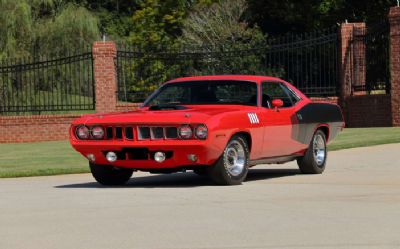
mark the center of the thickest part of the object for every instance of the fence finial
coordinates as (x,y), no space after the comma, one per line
(104,37)
(398,3)
(346,21)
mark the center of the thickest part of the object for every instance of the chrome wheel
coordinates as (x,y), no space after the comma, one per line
(235,158)
(319,149)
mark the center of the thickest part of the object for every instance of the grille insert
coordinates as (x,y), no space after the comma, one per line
(144,133)
(171,132)
(129,133)
(109,132)
(157,132)
(118,132)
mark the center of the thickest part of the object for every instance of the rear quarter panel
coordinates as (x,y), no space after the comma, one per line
(315,115)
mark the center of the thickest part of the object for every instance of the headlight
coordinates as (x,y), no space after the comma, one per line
(185,132)
(201,132)
(98,132)
(82,132)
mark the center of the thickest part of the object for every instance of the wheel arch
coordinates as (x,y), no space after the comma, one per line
(325,129)
(246,135)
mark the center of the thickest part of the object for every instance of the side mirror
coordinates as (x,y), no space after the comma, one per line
(277,103)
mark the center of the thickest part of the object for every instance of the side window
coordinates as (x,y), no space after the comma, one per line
(293,97)
(275,90)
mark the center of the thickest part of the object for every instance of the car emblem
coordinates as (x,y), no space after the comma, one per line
(187,115)
(253,118)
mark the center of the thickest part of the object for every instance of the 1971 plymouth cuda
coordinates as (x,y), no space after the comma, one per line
(214,125)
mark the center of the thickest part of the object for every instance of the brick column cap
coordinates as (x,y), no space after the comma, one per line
(394,12)
(104,49)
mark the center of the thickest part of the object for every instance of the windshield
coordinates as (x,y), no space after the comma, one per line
(205,92)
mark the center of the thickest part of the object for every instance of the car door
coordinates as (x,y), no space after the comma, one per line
(277,122)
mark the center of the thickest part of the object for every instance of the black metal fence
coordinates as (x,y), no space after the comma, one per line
(371,59)
(309,61)
(47,85)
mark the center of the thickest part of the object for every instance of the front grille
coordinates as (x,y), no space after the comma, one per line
(119,133)
(155,133)
(143,132)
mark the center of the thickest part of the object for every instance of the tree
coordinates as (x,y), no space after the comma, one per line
(158,22)
(225,41)
(278,17)
(44,27)
(220,24)
(115,16)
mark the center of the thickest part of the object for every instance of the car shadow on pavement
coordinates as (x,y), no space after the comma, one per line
(185,180)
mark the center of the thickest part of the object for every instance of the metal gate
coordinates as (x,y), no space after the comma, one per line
(309,61)
(371,60)
(47,85)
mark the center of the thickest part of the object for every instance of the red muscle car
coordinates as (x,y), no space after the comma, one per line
(214,125)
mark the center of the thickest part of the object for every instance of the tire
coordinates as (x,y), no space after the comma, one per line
(110,176)
(314,160)
(232,167)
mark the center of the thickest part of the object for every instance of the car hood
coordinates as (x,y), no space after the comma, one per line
(193,114)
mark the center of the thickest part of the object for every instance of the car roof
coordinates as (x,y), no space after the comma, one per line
(255,78)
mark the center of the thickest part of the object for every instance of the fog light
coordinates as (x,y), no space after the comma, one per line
(192,157)
(91,157)
(111,157)
(159,157)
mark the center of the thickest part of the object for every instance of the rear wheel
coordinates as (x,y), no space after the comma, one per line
(232,167)
(314,161)
(108,175)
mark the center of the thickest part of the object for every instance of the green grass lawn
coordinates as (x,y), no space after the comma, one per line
(362,137)
(53,158)
(35,159)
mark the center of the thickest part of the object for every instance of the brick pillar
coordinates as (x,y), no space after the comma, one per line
(346,61)
(359,54)
(394,19)
(345,67)
(105,75)
(346,34)
(352,57)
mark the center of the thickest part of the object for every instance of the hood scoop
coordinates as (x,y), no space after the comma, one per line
(167,107)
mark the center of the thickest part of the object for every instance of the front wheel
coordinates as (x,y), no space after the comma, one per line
(314,161)
(232,167)
(110,176)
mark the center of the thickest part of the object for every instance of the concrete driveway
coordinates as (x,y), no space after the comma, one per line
(354,204)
